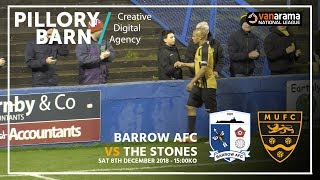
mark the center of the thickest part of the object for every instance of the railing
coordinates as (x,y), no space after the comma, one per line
(222,22)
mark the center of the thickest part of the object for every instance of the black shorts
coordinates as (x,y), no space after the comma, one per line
(198,96)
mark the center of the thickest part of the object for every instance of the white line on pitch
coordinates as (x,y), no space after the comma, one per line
(43,177)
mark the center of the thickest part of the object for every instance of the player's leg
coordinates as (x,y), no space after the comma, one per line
(194,101)
(191,111)
(209,99)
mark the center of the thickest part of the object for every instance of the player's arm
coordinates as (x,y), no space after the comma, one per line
(203,69)
(181,64)
(199,74)
(203,63)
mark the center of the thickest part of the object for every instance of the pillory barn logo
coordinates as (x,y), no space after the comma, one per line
(280,132)
(274,18)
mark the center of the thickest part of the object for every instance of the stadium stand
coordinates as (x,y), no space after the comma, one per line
(138,63)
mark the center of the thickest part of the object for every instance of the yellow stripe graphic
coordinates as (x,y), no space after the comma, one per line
(280,146)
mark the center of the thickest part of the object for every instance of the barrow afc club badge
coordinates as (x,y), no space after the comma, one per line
(229,135)
(280,132)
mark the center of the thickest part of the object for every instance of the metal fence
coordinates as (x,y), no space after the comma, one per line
(222,22)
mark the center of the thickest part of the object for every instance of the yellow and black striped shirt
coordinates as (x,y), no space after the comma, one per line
(205,57)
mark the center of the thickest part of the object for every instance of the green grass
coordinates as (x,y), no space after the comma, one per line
(85,158)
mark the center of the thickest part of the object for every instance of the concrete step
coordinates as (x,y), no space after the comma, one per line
(102,17)
(133,63)
(72,65)
(220,18)
(72,76)
(152,30)
(53,19)
(145,41)
(120,54)
(110,28)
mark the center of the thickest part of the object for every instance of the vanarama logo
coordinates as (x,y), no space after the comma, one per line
(274,18)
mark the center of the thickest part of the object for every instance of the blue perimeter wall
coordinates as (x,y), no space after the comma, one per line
(159,106)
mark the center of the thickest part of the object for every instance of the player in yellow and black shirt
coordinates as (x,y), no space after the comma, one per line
(203,86)
(204,57)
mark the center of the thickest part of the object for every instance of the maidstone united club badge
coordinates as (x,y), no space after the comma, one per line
(280,132)
(229,135)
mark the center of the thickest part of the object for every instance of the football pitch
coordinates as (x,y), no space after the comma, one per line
(84,158)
